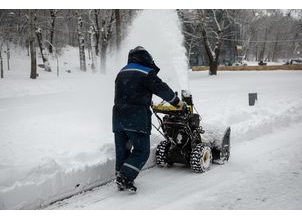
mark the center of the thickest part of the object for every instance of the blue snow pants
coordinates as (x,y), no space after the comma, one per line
(132,152)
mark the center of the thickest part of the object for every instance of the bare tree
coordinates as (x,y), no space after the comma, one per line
(6,36)
(33,72)
(214,22)
(107,19)
(99,29)
(42,50)
(118,28)
(8,55)
(208,39)
(96,26)
(268,34)
(1,63)
(1,58)
(94,36)
(53,17)
(93,43)
(81,39)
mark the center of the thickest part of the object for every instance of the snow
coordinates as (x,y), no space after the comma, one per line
(162,40)
(56,138)
(260,175)
(56,134)
(53,134)
(265,168)
(279,100)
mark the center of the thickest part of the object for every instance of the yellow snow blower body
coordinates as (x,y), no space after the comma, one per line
(167,108)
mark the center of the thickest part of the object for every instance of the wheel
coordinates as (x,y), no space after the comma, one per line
(200,159)
(161,153)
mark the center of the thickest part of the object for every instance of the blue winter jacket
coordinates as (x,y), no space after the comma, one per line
(134,86)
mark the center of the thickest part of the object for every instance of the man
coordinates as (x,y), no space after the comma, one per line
(134,86)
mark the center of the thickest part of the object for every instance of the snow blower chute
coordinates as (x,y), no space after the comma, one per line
(185,140)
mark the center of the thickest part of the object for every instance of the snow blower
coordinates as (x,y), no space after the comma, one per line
(185,140)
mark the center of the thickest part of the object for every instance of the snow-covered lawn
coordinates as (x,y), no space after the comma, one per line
(56,140)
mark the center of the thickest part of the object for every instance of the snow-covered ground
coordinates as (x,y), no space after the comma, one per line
(265,169)
(264,173)
(56,140)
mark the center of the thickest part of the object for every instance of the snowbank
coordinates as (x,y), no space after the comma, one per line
(51,183)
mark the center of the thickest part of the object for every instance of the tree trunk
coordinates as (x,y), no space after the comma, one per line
(27,47)
(42,50)
(52,28)
(261,56)
(103,48)
(33,72)
(212,55)
(97,30)
(94,37)
(8,56)
(214,64)
(89,52)
(118,28)
(105,36)
(275,49)
(213,68)
(81,45)
(293,52)
(256,47)
(1,65)
(93,47)
(103,57)
(131,15)
(39,38)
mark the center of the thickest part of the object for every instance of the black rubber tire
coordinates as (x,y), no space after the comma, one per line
(200,158)
(161,153)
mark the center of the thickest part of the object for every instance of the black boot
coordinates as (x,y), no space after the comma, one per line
(120,182)
(130,186)
(123,183)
